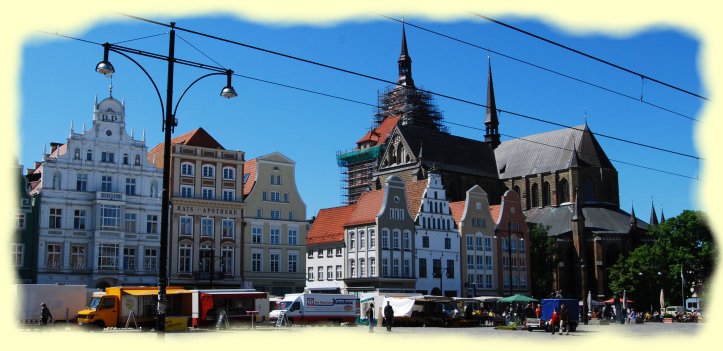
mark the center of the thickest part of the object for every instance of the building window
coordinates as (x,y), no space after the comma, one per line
(274,236)
(293,238)
(152,224)
(320,273)
(17,252)
(275,196)
(106,183)
(320,253)
(125,159)
(256,235)
(275,214)
(310,274)
(259,213)
(52,256)
(186,191)
(450,268)
(406,242)
(385,239)
(130,186)
(505,262)
(480,262)
(563,191)
(522,246)
(81,182)
(436,268)
(229,173)
(488,244)
(227,228)
(338,272)
(447,243)
(488,263)
(513,243)
(256,261)
(108,256)
(372,267)
(77,256)
(20,221)
(478,241)
(362,240)
(291,215)
(207,193)
(264,196)
(55,220)
(470,261)
(186,226)
(293,262)
(89,156)
(184,258)
(130,223)
(107,157)
(227,259)
(229,195)
(187,169)
(372,239)
(407,268)
(425,242)
(206,226)
(275,179)
(137,160)
(286,197)
(274,260)
(362,268)
(352,241)
(208,171)
(422,267)
(385,267)
(488,281)
(150,260)
(470,243)
(545,193)
(329,273)
(352,269)
(129,258)
(330,252)
(395,239)
(395,267)
(338,252)
(109,217)
(79,220)
(534,197)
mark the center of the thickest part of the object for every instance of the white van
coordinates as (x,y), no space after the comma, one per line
(311,308)
(674,310)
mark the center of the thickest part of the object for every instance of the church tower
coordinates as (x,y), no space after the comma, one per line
(492,134)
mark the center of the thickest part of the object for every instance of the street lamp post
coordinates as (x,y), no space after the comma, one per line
(169,122)
(211,262)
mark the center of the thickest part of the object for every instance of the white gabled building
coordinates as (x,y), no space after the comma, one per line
(437,242)
(99,218)
(326,250)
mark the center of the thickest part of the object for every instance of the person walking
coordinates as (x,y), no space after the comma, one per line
(538,311)
(564,319)
(554,320)
(370,317)
(388,316)
(45,314)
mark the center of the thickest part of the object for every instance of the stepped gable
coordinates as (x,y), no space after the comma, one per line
(329,225)
(550,152)
(450,153)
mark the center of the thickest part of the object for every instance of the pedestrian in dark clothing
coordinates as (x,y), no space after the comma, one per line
(388,316)
(370,317)
(45,314)
(564,319)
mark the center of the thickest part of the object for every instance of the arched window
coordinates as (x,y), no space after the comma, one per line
(392,155)
(516,189)
(138,160)
(229,173)
(56,181)
(545,194)
(399,154)
(563,190)
(534,196)
(208,171)
(187,169)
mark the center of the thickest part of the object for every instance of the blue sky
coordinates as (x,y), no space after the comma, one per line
(310,128)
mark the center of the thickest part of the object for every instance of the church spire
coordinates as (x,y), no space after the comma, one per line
(662,216)
(653,216)
(405,63)
(492,134)
(633,219)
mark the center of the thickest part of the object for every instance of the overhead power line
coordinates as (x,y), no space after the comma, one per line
(363,75)
(195,64)
(579,80)
(641,75)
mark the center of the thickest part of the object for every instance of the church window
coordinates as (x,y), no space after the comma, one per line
(564,191)
(534,200)
(545,194)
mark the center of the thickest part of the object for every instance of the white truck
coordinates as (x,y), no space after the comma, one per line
(307,308)
(63,301)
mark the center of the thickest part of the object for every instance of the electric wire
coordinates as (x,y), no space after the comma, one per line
(376,106)
(641,75)
(579,80)
(141,38)
(199,50)
(363,75)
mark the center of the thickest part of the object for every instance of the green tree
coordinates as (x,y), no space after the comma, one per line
(683,245)
(542,261)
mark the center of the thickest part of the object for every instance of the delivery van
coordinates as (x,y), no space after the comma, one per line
(307,308)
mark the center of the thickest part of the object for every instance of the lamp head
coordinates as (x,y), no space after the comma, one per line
(228,91)
(105,67)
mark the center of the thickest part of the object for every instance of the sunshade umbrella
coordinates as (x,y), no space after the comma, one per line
(662,299)
(517,298)
(625,300)
(589,300)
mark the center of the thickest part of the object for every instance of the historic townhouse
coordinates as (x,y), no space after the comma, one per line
(478,252)
(206,211)
(326,249)
(99,207)
(275,226)
(24,246)
(512,254)
(437,241)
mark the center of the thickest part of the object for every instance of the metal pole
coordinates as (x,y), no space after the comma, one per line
(682,287)
(168,125)
(509,253)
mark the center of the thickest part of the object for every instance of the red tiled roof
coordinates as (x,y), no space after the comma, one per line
(196,137)
(415,192)
(329,225)
(367,208)
(457,209)
(250,169)
(495,211)
(379,134)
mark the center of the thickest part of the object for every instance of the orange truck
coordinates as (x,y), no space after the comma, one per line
(134,306)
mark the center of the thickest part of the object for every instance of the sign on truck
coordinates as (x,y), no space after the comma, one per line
(311,308)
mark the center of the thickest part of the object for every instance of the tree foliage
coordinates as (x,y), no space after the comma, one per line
(682,245)
(542,261)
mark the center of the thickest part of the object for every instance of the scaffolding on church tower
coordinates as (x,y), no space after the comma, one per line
(416,108)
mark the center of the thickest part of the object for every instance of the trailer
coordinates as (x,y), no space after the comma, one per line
(550,305)
(63,301)
(214,307)
(308,308)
